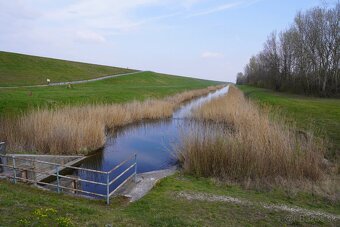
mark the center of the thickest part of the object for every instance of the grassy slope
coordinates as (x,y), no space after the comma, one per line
(162,208)
(19,69)
(121,89)
(307,112)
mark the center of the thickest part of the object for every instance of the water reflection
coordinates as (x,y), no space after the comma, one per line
(186,110)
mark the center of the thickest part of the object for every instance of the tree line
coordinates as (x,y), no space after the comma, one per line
(305,58)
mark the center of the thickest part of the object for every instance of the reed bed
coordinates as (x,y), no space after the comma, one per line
(82,129)
(249,145)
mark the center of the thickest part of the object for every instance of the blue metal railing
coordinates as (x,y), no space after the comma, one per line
(21,173)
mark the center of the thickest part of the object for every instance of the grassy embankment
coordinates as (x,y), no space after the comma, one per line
(163,208)
(320,115)
(20,70)
(115,90)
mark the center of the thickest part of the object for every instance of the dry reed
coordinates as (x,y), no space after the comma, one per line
(80,130)
(254,146)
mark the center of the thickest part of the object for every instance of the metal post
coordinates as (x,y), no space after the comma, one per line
(74,186)
(135,178)
(108,188)
(58,180)
(2,158)
(2,162)
(14,171)
(34,172)
(25,175)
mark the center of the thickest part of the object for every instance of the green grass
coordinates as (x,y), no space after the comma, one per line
(161,208)
(20,69)
(115,90)
(319,114)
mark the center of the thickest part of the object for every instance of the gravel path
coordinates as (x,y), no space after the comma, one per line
(277,207)
(76,82)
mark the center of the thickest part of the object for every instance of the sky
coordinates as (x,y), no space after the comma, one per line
(210,39)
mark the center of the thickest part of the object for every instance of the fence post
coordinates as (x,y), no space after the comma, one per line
(108,188)
(34,171)
(74,186)
(3,156)
(14,170)
(2,168)
(58,180)
(135,177)
(25,175)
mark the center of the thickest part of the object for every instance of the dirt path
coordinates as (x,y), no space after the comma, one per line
(227,199)
(75,82)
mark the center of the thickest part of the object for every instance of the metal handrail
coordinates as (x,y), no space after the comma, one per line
(119,186)
(57,174)
(120,175)
(122,163)
(54,174)
(54,164)
(109,183)
(83,180)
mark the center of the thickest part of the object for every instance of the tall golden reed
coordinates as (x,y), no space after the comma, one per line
(253,147)
(81,129)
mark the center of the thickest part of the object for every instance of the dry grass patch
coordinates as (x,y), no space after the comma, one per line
(80,130)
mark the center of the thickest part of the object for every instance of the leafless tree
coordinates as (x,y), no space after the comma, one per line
(304,58)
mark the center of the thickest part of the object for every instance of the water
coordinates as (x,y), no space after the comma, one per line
(152,141)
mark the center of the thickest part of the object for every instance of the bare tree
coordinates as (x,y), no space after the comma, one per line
(304,58)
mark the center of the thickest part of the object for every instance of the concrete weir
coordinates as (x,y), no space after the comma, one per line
(144,183)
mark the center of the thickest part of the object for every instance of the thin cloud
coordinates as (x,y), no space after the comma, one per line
(224,7)
(216,9)
(90,36)
(137,24)
(209,54)
(114,15)
(189,3)
(109,15)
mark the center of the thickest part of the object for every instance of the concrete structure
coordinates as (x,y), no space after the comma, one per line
(145,182)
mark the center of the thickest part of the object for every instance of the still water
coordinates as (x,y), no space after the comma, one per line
(152,141)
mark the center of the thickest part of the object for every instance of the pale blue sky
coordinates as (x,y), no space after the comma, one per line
(209,39)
